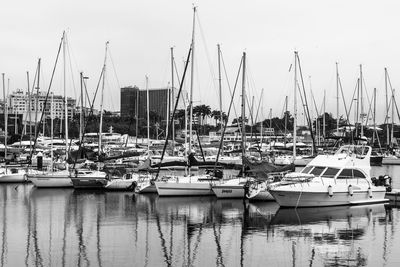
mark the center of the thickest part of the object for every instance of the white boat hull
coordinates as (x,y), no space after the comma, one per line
(260,195)
(13,178)
(228,191)
(184,189)
(146,189)
(323,199)
(391,161)
(119,184)
(51,181)
(259,192)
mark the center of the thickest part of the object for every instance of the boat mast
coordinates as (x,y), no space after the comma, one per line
(323,118)
(65,98)
(373,133)
(101,99)
(387,109)
(361,101)
(261,121)
(137,116)
(29,114)
(358,105)
(173,99)
(81,111)
(295,106)
(337,100)
(148,113)
(37,98)
(191,84)
(220,94)
(243,112)
(168,111)
(51,131)
(5,119)
(286,122)
(392,131)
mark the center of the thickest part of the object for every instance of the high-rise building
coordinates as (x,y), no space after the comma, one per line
(158,102)
(18,103)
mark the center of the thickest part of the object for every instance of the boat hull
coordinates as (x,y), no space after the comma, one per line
(260,195)
(394,195)
(118,184)
(391,161)
(323,199)
(146,189)
(376,160)
(184,189)
(89,182)
(44,181)
(228,191)
(13,178)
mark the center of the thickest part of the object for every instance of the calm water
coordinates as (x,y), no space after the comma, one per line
(63,227)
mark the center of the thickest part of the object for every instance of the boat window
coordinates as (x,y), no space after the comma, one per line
(346,174)
(317,170)
(330,172)
(358,174)
(306,169)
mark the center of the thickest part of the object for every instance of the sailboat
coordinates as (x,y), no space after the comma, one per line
(94,179)
(145,183)
(235,188)
(59,178)
(259,190)
(10,174)
(190,185)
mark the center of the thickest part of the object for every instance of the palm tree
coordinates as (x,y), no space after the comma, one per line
(205,112)
(180,116)
(216,115)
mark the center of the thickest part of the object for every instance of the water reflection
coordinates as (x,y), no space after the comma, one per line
(63,227)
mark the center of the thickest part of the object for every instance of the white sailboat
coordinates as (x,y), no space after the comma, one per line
(145,184)
(127,182)
(235,188)
(196,185)
(191,185)
(51,179)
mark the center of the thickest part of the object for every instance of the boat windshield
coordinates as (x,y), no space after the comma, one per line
(317,170)
(330,172)
(350,174)
(306,169)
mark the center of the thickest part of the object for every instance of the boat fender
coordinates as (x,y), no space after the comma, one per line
(370,192)
(351,190)
(330,190)
(132,186)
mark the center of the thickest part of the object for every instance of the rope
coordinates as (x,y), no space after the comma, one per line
(298,199)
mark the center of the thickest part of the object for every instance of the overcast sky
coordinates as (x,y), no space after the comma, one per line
(142,32)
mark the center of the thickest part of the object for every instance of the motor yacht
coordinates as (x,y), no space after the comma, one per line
(339,179)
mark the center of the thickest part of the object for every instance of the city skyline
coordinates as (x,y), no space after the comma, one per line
(141,35)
